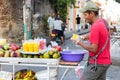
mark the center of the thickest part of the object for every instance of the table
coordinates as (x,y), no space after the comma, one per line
(38,62)
(115,38)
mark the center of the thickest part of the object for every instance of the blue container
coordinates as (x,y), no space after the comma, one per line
(73,56)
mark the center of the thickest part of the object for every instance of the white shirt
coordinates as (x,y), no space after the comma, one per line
(51,22)
(57,24)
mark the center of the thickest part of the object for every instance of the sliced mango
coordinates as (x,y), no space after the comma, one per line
(75,36)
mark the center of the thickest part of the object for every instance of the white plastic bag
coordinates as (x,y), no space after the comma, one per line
(78,71)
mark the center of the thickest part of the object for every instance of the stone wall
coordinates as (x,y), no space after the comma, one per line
(42,7)
(11,19)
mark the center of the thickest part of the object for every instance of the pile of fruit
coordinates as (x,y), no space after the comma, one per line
(25,75)
(13,50)
(10,50)
(53,53)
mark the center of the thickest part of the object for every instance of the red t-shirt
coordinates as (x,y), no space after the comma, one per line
(99,35)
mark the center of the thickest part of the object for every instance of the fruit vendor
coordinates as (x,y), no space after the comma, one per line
(99,47)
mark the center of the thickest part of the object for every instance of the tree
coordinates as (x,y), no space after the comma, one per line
(61,7)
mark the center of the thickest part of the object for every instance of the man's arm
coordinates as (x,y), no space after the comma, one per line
(92,47)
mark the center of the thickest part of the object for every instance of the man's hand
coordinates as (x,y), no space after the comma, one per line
(85,37)
(75,41)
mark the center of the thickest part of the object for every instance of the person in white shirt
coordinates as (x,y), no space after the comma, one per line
(58,28)
(51,22)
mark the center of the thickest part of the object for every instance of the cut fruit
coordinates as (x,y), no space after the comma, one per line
(75,36)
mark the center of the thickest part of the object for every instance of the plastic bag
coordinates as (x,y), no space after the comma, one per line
(78,71)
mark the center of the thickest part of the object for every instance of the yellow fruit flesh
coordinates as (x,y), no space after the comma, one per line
(75,36)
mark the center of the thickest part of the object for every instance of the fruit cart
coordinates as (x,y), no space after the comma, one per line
(41,63)
(30,62)
(11,54)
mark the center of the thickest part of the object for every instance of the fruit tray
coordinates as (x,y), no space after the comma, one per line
(30,52)
(13,60)
(40,51)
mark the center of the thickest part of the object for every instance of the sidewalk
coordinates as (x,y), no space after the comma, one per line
(68,34)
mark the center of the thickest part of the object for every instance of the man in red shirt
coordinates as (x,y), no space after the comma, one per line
(98,37)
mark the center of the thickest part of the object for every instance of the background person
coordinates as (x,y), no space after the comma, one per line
(50,21)
(58,28)
(97,38)
(78,19)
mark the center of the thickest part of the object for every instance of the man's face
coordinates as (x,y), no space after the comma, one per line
(88,17)
(53,14)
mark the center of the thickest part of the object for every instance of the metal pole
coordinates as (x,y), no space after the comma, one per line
(27,19)
(24,22)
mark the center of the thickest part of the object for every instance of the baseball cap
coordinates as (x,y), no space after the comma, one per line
(90,6)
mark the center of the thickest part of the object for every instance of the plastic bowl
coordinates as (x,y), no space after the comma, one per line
(73,56)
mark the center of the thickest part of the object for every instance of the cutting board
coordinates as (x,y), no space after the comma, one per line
(62,62)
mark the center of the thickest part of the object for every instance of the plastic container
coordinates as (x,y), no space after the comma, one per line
(3,41)
(42,75)
(73,55)
(4,75)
